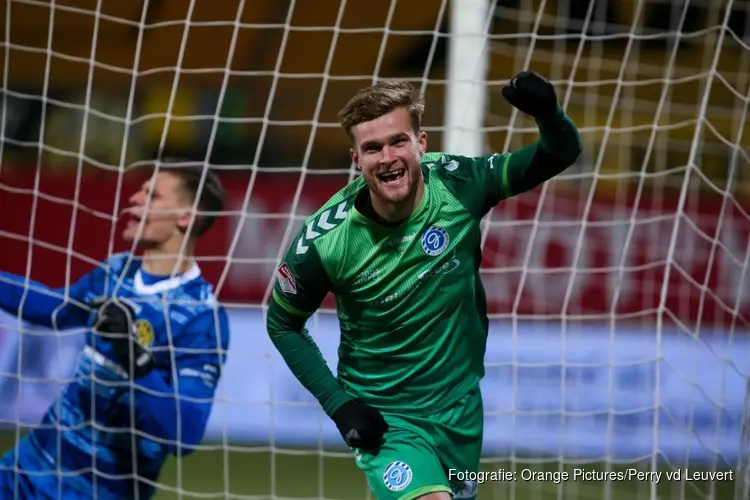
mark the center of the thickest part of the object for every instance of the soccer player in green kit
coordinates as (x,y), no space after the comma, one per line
(399,247)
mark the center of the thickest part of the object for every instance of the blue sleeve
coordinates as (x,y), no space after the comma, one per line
(46,306)
(178,411)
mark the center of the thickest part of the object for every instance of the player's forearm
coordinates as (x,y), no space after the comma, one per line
(560,138)
(558,147)
(167,415)
(304,358)
(41,305)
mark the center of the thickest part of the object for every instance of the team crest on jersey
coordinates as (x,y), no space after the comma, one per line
(397,476)
(435,240)
(144,332)
(286,279)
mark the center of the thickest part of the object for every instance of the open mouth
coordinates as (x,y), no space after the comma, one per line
(393,176)
(133,217)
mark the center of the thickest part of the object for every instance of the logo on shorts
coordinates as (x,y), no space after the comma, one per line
(397,476)
(435,241)
(286,279)
(464,489)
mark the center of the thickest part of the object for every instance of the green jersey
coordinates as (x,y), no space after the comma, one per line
(410,300)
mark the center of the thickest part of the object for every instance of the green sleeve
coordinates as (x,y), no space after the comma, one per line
(301,285)
(482,182)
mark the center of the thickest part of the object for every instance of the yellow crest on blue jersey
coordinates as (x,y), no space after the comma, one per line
(144,332)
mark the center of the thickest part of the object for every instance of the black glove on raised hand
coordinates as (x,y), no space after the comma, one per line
(361,425)
(115,324)
(532,94)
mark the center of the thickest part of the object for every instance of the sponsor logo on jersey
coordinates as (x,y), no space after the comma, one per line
(389,298)
(446,268)
(208,375)
(397,241)
(435,240)
(367,275)
(286,279)
(144,332)
(397,476)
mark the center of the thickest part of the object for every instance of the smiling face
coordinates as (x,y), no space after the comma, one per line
(164,218)
(387,150)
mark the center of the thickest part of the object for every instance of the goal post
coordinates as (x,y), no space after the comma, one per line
(466,75)
(618,294)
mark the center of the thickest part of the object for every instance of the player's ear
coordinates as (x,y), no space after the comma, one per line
(422,139)
(354,156)
(183,221)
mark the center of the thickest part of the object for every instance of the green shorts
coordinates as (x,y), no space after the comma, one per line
(419,452)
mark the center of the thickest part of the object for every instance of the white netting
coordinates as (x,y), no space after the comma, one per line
(618,293)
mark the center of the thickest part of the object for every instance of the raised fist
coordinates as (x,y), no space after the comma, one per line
(532,94)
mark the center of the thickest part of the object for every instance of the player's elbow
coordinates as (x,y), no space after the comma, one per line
(570,155)
(273,328)
(280,322)
(570,146)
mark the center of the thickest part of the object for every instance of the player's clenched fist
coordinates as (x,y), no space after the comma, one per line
(361,425)
(115,323)
(532,94)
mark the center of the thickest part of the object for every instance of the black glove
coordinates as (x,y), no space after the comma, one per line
(532,94)
(361,425)
(115,323)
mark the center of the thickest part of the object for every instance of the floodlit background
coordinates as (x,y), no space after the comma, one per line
(618,293)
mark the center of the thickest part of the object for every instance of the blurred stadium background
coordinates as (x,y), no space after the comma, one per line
(618,292)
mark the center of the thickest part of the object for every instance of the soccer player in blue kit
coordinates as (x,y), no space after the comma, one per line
(155,346)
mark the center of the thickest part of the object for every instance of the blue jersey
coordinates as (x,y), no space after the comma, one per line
(106,434)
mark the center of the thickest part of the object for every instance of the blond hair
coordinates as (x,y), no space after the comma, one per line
(380,99)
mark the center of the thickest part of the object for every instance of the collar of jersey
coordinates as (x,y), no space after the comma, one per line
(421,208)
(141,288)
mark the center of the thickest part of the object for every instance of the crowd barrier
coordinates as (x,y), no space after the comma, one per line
(592,391)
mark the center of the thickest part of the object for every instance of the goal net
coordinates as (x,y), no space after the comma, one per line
(618,354)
